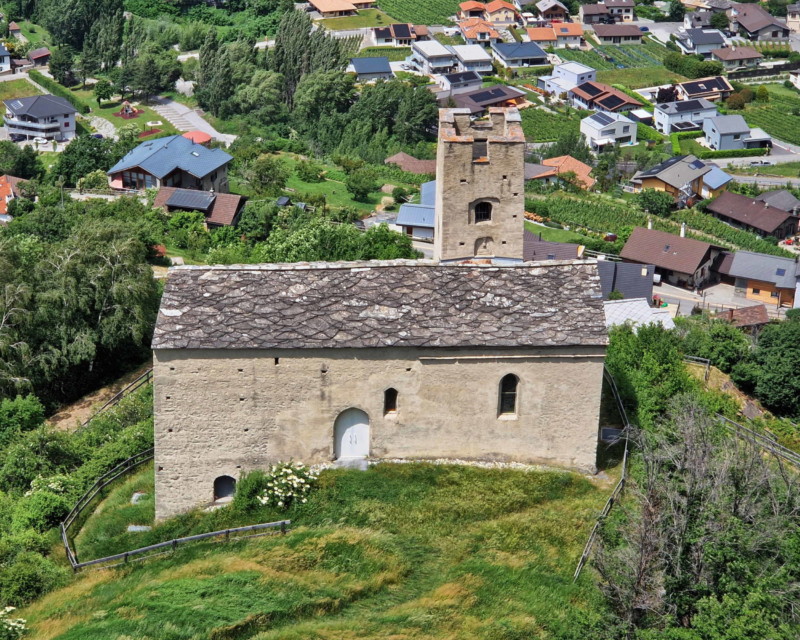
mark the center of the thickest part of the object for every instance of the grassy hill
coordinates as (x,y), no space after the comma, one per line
(399,551)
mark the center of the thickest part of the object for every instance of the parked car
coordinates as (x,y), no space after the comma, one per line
(40,141)
(644,29)
(99,136)
(16,137)
(762,163)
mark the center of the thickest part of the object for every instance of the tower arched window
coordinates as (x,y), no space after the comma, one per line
(483,212)
(508,394)
(389,401)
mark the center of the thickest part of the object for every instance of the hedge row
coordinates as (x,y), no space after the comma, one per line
(646,132)
(57,90)
(733,153)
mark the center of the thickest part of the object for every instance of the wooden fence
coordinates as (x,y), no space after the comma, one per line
(618,489)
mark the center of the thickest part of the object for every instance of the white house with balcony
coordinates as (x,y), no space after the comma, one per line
(603,129)
(684,115)
(431,57)
(44,116)
(473,57)
(565,77)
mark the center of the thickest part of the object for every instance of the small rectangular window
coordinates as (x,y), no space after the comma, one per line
(480,150)
(756,291)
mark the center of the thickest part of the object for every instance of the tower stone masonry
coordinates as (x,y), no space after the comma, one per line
(480,186)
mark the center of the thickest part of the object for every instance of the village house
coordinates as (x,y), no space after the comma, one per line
(596,96)
(13,30)
(684,115)
(395,359)
(174,161)
(472,57)
(755,23)
(594,14)
(679,261)
(550,170)
(618,33)
(5,59)
(793,17)
(620,10)
(418,220)
(219,209)
(477,31)
(772,280)
(411,164)
(399,35)
(700,41)
(517,55)
(39,57)
(751,318)
(45,116)
(459,82)
(781,199)
(431,56)
(565,77)
(371,69)
(498,12)
(334,8)
(753,215)
(603,130)
(700,19)
(565,35)
(552,11)
(685,178)
(714,89)
(725,133)
(479,101)
(733,58)
(9,189)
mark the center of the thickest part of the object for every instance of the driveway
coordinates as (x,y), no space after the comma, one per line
(663,30)
(184,118)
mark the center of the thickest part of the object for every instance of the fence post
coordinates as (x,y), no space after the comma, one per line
(283,527)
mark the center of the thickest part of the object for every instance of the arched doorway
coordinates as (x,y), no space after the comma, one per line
(224,488)
(351,434)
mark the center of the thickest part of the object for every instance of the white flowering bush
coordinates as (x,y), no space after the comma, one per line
(288,483)
(11,628)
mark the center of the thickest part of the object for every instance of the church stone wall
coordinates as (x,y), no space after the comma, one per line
(224,412)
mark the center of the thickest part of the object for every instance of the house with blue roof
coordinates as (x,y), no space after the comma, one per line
(174,161)
(417,220)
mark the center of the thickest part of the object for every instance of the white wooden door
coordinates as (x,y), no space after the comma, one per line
(351,433)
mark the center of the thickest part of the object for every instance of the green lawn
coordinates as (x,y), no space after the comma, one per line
(365,18)
(787,169)
(690,145)
(17,89)
(395,54)
(555,235)
(36,35)
(398,551)
(636,78)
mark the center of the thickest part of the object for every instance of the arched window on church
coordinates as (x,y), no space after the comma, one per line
(389,401)
(483,212)
(508,394)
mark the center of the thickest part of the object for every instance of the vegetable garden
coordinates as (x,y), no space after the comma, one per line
(428,12)
(605,57)
(602,215)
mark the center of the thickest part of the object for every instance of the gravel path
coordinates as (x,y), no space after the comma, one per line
(185,119)
(101,125)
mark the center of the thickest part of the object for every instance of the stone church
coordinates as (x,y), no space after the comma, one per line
(472,355)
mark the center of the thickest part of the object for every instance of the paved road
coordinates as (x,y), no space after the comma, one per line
(767,181)
(184,118)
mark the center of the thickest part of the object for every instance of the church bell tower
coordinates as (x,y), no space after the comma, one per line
(480,180)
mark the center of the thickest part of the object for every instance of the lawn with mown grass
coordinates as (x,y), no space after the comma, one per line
(364,19)
(401,550)
(17,89)
(428,12)
(555,235)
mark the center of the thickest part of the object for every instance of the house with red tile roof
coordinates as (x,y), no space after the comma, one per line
(219,209)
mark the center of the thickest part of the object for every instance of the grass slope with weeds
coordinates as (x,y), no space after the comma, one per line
(401,550)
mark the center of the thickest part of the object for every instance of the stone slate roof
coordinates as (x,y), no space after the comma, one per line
(746,316)
(400,303)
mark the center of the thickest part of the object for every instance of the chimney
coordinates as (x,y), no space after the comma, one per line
(683,229)
(649,222)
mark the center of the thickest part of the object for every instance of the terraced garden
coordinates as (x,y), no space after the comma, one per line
(428,12)
(648,55)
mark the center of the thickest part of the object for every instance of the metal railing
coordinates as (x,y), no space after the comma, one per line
(704,362)
(761,440)
(141,381)
(144,553)
(120,470)
(620,486)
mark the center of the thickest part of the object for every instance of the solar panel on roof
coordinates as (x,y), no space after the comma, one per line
(611,102)
(697,164)
(191,200)
(780,272)
(591,89)
(402,31)
(602,118)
